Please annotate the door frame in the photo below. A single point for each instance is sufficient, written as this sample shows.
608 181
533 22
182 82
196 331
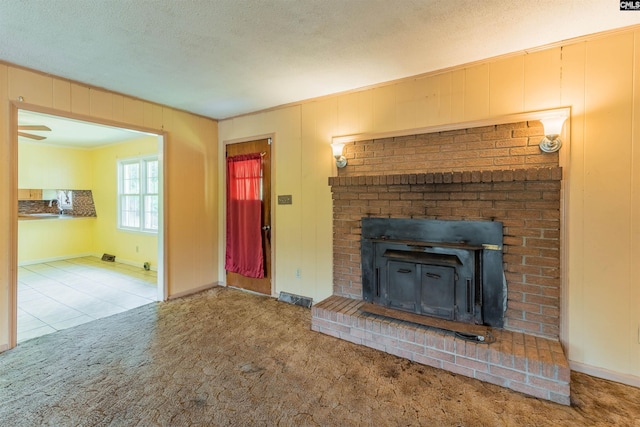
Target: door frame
222 226
163 263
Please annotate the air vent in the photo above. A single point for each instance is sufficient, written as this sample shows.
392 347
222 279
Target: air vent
295 299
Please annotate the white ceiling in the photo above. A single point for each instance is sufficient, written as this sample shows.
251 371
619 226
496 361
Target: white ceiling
72 133
221 58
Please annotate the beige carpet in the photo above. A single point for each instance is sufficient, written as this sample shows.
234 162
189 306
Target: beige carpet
227 358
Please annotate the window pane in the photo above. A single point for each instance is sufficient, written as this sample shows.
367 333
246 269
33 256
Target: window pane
152 177
138 194
151 212
131 178
130 211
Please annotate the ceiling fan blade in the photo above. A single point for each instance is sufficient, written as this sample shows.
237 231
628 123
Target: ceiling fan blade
28 135
33 127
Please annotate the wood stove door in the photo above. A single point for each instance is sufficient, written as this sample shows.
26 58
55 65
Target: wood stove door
438 291
403 285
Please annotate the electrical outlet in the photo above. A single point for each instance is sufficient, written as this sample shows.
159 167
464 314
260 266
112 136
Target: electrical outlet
298 273
137 249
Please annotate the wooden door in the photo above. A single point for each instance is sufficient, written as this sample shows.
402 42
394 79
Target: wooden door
262 286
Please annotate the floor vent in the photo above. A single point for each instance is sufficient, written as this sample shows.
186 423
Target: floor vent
108 258
295 299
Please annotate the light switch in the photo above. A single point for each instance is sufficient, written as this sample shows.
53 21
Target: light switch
285 199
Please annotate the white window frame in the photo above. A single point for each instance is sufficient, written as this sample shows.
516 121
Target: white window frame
138 198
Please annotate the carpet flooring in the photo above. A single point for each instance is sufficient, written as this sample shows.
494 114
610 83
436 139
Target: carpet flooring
228 358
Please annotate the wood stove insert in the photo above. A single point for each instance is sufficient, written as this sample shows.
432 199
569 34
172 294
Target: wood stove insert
450 270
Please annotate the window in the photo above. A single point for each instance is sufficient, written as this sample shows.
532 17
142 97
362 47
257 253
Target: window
138 194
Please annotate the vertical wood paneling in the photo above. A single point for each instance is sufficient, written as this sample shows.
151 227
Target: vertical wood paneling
80 99
101 104
476 92
293 169
633 303
542 71
6 195
185 159
256 124
133 111
365 111
384 108
318 257
458 95
207 249
506 85
445 97
117 107
348 122
406 105
428 102
607 189
317 119
573 81
34 87
152 115
61 95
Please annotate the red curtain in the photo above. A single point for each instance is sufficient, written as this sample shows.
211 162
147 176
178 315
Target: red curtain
244 253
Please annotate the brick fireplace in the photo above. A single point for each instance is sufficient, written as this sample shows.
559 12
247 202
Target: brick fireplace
491 173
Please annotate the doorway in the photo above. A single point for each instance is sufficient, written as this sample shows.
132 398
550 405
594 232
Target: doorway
262 285
53 137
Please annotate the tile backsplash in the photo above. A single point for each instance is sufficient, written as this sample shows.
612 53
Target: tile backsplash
82 205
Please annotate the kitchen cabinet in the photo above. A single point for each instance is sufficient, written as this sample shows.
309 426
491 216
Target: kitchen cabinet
49 195
33 194
29 194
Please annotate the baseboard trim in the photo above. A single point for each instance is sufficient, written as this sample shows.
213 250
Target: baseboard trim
58 258
606 374
3 348
129 262
193 291
65 257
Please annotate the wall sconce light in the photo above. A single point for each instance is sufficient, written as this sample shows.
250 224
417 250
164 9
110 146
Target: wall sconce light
552 125
337 147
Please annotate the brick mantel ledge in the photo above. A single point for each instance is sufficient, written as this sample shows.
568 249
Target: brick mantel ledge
510 175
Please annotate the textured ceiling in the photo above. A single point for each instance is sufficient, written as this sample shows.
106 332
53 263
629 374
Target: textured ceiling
221 58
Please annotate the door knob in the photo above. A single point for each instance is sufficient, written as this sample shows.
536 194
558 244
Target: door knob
266 227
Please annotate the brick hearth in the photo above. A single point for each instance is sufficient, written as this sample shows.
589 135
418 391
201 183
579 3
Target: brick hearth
525 363
516 185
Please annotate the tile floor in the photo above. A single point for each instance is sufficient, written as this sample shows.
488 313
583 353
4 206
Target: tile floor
61 294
